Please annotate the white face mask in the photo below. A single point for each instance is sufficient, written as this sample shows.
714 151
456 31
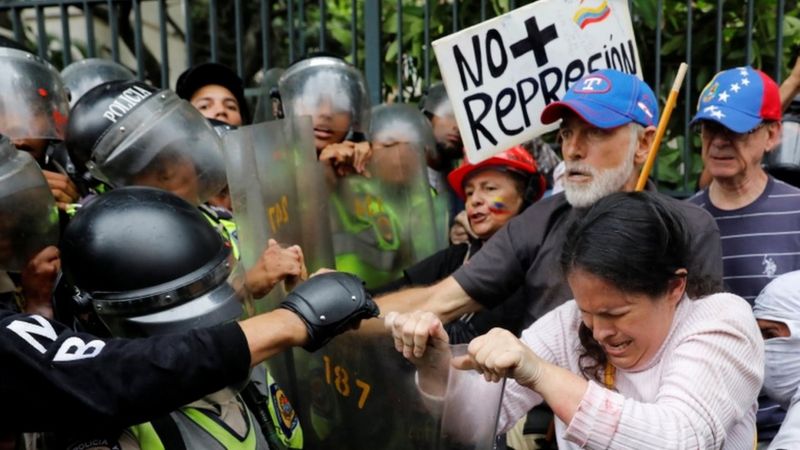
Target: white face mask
782 371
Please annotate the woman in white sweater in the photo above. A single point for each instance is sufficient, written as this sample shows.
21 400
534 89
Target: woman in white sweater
632 362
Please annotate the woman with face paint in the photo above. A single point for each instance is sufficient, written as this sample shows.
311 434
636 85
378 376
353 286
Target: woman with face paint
494 190
777 311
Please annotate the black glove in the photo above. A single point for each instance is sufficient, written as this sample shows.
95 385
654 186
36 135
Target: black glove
330 304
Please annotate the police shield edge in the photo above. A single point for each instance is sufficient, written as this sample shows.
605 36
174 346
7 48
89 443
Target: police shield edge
504 71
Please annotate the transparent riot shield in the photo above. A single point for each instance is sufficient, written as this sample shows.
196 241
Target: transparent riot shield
385 222
34 102
362 394
278 192
28 215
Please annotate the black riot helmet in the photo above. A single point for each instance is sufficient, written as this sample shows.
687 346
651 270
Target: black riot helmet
783 162
127 133
145 262
81 76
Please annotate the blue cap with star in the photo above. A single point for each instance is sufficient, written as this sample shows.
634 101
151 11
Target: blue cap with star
739 99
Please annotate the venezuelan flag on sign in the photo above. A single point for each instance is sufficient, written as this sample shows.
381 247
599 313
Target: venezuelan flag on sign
586 16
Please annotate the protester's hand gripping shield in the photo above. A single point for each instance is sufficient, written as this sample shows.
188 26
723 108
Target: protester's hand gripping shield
81 76
331 91
33 104
28 215
163 142
365 395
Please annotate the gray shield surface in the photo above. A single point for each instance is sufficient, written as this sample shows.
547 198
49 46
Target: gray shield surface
33 103
28 215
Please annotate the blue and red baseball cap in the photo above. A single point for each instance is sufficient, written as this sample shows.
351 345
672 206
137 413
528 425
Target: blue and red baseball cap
606 99
739 99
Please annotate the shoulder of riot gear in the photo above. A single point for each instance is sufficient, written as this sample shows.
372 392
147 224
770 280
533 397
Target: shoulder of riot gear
329 304
137 255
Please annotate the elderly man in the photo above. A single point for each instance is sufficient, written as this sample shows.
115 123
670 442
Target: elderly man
608 125
739 115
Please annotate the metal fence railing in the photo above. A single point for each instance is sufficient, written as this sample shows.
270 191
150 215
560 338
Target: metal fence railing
390 42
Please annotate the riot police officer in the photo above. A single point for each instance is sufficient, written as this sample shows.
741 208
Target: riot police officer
142 262
334 94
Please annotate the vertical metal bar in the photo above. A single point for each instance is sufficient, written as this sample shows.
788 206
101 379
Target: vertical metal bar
290 23
162 31
687 95
66 42
212 28
718 64
322 21
659 19
399 51
354 32
90 42
483 10
426 49
19 34
237 11
749 52
302 30
41 34
455 16
112 23
657 77
511 4
189 30
265 25
137 39
373 49
779 41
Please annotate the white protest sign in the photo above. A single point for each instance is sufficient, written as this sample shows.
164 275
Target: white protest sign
500 74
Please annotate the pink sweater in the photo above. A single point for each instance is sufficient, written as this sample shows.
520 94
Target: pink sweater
698 392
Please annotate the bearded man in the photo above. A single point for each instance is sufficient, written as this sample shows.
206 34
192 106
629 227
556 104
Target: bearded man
608 121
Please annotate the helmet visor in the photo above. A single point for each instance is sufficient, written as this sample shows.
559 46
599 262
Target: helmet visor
34 103
164 143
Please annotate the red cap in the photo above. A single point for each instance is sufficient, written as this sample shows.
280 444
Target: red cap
515 159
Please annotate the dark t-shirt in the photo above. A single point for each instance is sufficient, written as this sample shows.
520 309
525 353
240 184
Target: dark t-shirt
59 380
527 250
759 241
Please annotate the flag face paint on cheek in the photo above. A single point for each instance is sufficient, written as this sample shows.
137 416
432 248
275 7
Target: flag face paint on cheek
499 206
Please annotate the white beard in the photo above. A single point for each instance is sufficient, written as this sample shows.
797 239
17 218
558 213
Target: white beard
604 182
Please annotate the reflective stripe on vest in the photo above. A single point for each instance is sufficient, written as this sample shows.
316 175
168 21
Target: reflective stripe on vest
199 430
